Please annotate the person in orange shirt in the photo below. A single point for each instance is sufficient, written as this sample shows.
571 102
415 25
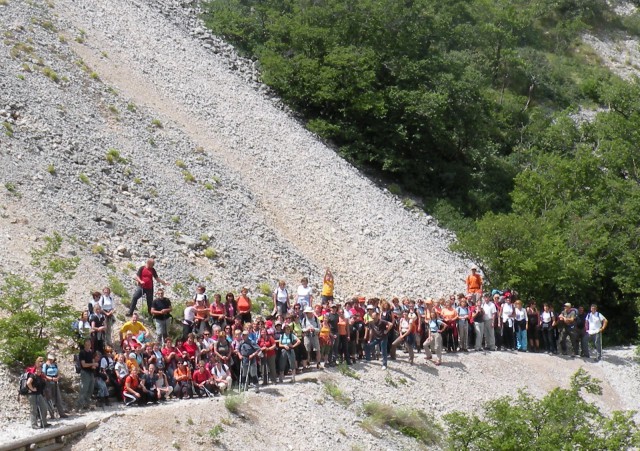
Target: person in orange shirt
474 284
182 376
244 306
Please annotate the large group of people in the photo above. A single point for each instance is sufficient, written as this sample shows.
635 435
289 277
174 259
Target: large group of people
224 345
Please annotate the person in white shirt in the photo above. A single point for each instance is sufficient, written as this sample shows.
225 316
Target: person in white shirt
304 294
506 319
595 323
108 305
281 299
490 311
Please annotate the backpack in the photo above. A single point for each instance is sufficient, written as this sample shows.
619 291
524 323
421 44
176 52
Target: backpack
22 387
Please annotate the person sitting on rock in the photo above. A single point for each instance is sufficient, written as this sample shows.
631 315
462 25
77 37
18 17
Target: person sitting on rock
182 378
135 327
132 392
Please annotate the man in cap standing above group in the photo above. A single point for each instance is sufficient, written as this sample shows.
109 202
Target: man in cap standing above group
474 284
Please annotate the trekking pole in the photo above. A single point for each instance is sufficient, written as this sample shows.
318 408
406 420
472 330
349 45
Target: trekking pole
246 379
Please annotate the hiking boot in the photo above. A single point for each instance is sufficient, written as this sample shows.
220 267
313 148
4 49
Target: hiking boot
257 388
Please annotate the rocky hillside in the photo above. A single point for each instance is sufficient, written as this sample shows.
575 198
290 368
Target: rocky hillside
134 133
131 130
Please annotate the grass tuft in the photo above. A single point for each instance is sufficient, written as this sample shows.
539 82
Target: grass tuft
332 389
234 404
84 178
118 288
410 422
346 370
210 253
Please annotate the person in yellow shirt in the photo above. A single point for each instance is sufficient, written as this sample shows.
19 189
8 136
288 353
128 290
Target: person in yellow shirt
135 326
327 287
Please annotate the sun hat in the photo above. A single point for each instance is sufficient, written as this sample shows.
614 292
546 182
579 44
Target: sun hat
308 310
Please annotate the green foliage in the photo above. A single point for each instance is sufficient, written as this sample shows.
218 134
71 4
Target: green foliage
332 389
32 312
347 371
84 178
51 169
98 249
181 164
188 176
113 156
215 433
8 129
410 422
265 289
432 94
562 419
573 232
156 123
131 107
234 404
11 187
50 74
118 288
210 253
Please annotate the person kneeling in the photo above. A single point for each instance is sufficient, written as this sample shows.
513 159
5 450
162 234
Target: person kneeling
132 393
203 383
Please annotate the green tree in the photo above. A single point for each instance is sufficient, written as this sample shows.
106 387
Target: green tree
561 420
33 309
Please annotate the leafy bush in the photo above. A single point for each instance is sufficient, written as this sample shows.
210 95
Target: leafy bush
562 419
34 312
210 253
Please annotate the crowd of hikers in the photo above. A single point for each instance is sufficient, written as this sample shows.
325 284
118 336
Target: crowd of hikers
223 345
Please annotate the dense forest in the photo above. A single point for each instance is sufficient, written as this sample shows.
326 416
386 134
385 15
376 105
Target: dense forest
472 105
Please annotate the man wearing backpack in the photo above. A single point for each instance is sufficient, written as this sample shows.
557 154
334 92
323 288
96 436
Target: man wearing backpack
144 277
595 324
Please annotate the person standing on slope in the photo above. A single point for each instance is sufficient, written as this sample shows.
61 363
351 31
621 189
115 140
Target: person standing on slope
474 284
144 277
327 287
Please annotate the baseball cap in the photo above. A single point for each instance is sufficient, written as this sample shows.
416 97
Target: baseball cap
308 310
369 307
51 356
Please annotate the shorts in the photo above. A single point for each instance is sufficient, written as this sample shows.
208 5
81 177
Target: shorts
312 343
326 299
325 349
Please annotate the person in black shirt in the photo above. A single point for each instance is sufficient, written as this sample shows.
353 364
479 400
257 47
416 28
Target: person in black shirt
376 334
333 319
87 380
98 328
36 385
161 312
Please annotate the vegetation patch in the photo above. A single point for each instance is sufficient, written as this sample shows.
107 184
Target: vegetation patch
332 389
532 423
410 422
346 370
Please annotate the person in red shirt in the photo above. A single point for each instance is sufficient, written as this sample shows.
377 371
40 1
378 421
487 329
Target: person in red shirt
144 277
190 349
203 382
267 344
